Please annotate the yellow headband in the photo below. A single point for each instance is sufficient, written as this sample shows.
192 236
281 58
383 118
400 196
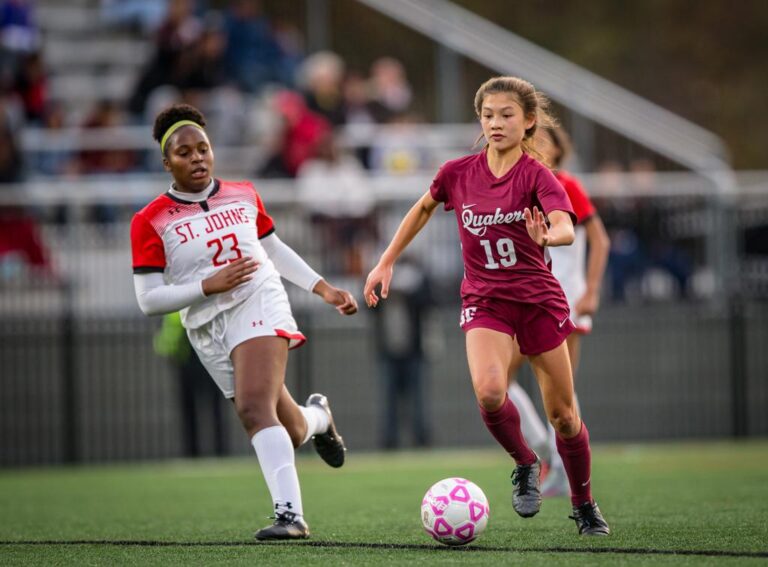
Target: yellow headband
175 126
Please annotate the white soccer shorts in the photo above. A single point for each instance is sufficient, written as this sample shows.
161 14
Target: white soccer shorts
266 313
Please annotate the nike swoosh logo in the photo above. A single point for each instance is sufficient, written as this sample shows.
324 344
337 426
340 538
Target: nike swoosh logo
586 483
561 325
463 206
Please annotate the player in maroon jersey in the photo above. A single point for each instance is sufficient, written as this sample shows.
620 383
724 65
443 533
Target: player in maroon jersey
208 247
510 209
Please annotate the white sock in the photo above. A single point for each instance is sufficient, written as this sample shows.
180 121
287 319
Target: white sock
275 452
317 421
534 430
555 462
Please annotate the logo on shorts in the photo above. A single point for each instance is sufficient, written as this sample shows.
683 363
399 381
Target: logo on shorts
259 323
467 314
563 322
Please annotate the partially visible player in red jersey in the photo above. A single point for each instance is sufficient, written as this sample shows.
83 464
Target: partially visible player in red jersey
580 273
510 211
208 247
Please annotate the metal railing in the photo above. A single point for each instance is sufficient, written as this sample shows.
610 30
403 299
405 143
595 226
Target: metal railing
573 86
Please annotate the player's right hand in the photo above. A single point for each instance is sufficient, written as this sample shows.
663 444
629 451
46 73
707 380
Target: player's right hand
380 275
232 275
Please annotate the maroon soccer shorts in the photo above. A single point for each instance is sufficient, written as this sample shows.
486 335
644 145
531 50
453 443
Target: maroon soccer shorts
538 327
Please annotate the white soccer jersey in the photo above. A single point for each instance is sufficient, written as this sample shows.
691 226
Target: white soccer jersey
188 241
569 266
569 263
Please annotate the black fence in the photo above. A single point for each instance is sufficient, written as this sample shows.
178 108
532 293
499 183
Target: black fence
81 382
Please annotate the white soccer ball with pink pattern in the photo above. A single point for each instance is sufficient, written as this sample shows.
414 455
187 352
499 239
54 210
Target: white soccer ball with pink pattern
454 511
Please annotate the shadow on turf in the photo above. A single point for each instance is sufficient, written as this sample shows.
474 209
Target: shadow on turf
405 546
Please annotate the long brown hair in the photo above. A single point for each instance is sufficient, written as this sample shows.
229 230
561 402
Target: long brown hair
532 102
561 142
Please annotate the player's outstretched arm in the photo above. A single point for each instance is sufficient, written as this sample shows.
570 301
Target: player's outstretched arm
558 233
343 300
413 222
289 264
597 259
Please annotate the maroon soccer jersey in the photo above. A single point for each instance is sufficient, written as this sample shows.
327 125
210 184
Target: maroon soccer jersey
500 258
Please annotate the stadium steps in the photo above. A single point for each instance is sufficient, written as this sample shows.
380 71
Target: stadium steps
87 60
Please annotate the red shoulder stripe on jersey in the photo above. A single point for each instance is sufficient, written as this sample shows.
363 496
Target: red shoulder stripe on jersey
270 231
582 205
146 245
264 223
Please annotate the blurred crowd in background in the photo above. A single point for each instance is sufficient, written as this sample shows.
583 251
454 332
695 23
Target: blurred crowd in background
260 89
250 75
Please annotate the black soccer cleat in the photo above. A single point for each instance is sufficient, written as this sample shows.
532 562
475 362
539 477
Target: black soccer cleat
329 445
589 520
286 526
526 489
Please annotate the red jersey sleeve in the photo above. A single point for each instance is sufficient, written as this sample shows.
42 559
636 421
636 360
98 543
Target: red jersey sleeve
264 223
146 247
582 205
551 194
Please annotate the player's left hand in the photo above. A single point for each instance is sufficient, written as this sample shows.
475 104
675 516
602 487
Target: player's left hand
343 300
587 304
536 224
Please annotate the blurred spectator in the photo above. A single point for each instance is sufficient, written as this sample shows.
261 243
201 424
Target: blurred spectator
18 36
641 250
20 239
177 34
399 324
59 162
144 15
32 86
11 168
18 31
397 150
359 106
361 114
390 85
199 398
297 137
334 189
321 77
254 57
290 40
106 114
202 66
204 83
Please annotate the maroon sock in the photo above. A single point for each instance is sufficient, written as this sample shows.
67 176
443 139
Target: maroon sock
577 459
504 425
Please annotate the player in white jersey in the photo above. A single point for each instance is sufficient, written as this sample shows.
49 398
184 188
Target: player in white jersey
579 268
208 247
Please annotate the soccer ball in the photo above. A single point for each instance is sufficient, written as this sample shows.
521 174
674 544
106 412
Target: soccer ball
454 511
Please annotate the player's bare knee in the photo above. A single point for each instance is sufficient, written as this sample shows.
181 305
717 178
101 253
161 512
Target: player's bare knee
565 423
253 416
489 398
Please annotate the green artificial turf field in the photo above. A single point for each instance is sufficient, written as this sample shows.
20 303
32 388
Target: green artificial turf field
667 504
